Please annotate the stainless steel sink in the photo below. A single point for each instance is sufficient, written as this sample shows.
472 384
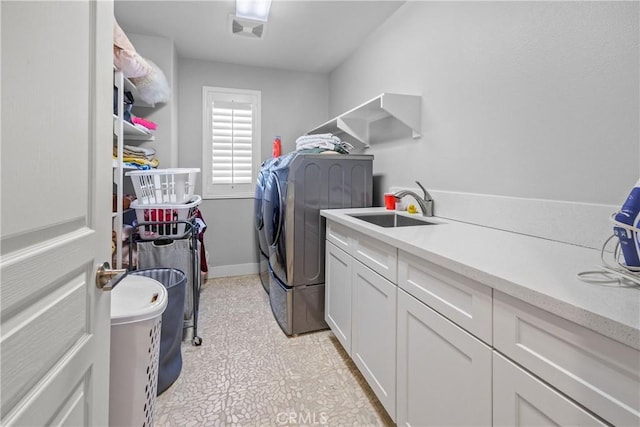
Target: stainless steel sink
391 219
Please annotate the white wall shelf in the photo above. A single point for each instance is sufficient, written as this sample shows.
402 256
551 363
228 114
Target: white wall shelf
130 132
122 131
358 125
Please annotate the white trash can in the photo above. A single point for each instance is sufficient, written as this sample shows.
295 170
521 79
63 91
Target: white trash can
137 304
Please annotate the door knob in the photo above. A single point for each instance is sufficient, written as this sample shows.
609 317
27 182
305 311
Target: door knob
107 278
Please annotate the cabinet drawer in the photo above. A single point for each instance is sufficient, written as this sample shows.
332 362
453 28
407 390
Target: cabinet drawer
461 300
520 399
339 236
599 373
378 256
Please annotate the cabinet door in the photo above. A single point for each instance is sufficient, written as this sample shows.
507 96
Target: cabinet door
337 301
520 399
444 373
374 333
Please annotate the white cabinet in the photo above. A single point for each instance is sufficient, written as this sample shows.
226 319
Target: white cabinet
520 399
337 300
443 372
468 354
360 306
595 371
460 299
378 256
373 347
340 236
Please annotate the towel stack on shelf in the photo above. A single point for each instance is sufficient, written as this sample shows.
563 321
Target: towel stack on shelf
323 142
137 157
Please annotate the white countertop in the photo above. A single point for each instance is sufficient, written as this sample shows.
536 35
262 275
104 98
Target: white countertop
539 271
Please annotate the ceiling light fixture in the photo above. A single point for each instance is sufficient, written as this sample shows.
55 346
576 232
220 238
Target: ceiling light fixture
253 9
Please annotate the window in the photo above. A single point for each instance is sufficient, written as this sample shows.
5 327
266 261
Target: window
231 142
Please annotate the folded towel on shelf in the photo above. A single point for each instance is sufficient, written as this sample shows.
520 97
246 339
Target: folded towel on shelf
148 124
131 165
137 158
153 163
136 152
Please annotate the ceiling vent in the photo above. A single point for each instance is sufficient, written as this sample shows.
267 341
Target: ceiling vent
246 27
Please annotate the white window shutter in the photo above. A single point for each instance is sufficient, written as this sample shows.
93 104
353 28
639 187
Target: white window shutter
231 152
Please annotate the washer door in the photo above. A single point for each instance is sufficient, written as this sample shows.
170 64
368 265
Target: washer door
273 209
257 202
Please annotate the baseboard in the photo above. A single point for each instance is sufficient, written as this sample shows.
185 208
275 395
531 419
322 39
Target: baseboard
233 270
581 224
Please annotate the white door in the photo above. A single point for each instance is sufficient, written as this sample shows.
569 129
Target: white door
55 226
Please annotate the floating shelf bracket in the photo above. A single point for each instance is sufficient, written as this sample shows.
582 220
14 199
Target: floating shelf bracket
355 125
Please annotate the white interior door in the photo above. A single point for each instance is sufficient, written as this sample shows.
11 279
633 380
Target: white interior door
55 226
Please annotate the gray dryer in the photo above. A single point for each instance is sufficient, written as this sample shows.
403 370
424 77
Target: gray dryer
296 190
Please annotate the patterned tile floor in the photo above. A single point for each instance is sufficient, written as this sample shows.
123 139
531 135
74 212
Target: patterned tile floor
247 372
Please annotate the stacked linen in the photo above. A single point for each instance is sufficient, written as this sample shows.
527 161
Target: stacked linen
146 126
137 157
322 141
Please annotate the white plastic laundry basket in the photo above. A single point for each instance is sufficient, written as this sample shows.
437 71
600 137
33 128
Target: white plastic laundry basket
137 304
164 217
156 186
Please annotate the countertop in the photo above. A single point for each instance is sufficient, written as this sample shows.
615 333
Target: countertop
540 272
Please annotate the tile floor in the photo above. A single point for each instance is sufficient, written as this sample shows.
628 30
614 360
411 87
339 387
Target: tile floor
249 373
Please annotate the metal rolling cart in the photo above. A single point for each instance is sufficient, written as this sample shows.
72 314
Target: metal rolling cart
166 233
172 244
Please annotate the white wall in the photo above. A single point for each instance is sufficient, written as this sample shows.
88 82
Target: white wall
292 103
520 99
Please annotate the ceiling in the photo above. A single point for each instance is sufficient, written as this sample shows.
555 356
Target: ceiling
301 35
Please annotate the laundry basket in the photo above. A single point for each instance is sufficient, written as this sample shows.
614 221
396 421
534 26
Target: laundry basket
157 186
170 361
137 304
164 220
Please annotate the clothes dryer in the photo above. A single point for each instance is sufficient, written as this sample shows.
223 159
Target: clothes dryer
296 190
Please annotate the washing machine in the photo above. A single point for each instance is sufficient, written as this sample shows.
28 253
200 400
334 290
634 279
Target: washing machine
262 248
296 190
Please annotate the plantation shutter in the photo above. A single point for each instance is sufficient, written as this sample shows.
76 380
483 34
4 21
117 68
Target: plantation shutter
232 143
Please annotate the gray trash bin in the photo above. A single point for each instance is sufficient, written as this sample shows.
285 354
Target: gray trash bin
170 362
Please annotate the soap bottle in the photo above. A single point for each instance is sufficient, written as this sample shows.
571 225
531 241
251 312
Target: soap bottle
277 146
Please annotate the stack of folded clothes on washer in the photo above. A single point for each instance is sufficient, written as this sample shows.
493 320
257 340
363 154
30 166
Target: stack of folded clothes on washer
322 142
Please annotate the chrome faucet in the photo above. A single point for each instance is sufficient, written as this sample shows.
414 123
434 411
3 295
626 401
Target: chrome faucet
425 203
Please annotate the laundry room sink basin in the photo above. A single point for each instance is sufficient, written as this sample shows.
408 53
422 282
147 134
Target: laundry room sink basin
391 219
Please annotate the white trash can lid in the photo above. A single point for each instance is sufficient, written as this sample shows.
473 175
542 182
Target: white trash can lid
137 298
